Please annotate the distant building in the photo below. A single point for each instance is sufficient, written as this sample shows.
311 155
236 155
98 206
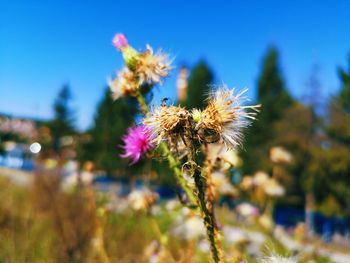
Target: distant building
18 141
23 127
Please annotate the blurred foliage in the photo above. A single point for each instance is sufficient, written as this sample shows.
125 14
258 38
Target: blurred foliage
344 95
9 136
47 224
72 215
199 82
329 166
63 122
329 170
24 235
339 122
275 99
296 131
320 145
103 140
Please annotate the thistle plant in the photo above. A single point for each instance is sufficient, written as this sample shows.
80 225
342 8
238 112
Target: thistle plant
141 72
183 135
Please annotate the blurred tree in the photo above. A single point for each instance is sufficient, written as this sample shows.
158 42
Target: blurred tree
313 96
2 150
64 117
339 123
275 99
339 110
199 85
328 179
272 90
344 95
297 132
111 121
329 167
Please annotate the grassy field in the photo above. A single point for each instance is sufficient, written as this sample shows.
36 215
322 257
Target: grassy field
42 223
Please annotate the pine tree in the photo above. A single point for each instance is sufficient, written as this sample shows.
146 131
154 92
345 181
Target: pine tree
64 117
274 97
339 111
272 91
111 121
300 131
199 85
344 94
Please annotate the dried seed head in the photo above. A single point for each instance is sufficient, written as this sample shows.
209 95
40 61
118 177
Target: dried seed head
167 122
147 68
124 84
152 67
226 117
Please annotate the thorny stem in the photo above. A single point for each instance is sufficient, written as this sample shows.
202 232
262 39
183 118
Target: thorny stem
207 213
208 217
211 199
210 186
174 165
173 162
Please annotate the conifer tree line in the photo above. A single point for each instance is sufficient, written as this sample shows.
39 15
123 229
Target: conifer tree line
320 143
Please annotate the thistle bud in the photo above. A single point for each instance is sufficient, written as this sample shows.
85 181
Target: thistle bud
130 55
120 41
196 115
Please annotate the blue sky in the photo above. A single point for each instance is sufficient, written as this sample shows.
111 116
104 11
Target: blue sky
44 44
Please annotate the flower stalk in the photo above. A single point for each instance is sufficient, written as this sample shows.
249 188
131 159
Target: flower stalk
174 165
210 184
142 103
208 216
207 208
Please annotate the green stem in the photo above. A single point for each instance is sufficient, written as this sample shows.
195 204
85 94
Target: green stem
174 165
142 103
208 217
205 207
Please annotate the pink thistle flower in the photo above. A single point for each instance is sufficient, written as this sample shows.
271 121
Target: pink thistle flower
137 142
120 41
